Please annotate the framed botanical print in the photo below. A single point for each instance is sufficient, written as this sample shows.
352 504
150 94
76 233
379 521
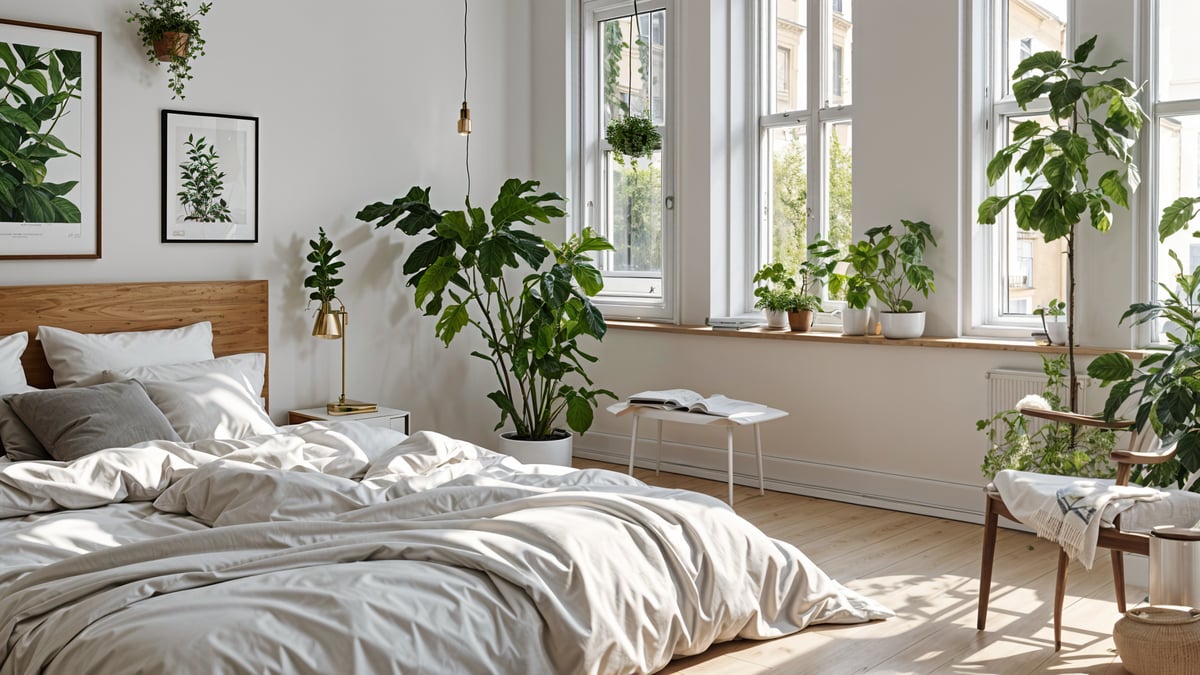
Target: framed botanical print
49 142
210 177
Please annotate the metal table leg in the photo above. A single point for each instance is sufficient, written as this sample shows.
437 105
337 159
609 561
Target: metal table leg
758 448
633 443
729 436
658 464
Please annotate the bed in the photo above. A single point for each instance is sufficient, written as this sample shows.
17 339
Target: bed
341 547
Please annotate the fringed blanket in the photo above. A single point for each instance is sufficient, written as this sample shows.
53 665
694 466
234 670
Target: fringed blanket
1068 510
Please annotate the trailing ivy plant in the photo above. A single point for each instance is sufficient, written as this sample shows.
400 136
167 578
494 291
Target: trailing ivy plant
203 182
1078 166
1052 448
158 17
37 88
532 327
324 279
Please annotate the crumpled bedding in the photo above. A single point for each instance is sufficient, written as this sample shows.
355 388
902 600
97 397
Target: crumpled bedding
347 548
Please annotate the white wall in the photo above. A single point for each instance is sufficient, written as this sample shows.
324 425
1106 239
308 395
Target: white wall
357 101
886 425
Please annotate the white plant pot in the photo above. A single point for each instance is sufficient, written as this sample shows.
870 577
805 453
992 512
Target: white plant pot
552 451
902 325
1057 331
777 320
854 321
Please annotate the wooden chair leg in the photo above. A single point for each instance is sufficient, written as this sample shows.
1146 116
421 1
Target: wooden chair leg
1118 564
1060 593
990 520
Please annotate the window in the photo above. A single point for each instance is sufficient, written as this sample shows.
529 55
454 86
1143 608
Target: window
1016 271
1175 111
805 137
627 65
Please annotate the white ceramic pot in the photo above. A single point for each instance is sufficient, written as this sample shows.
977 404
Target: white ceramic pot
1057 330
776 320
553 451
902 325
854 321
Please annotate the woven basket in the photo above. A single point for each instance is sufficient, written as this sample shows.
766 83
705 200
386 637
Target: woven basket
1159 641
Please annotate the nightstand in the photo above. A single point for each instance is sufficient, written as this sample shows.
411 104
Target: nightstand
384 417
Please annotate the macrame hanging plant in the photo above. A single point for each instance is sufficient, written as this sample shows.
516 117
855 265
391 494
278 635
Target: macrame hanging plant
633 136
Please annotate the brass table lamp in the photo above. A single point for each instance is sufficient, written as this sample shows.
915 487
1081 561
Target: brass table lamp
331 325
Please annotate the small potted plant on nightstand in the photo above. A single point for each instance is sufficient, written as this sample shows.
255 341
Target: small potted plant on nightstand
170 32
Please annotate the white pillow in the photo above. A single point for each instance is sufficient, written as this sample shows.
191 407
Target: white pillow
252 368
214 405
12 375
80 359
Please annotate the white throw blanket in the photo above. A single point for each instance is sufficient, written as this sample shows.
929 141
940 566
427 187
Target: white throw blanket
1068 510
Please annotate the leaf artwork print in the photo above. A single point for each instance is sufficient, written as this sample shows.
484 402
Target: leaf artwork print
38 88
203 183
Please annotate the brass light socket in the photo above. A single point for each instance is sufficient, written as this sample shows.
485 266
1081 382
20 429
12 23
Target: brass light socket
464 120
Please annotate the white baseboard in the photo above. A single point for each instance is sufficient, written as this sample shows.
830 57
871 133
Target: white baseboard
898 492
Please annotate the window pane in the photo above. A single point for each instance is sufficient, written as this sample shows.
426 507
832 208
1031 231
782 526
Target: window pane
1178 145
634 80
1034 271
839 57
789 43
1178 50
839 188
634 227
1033 26
787 150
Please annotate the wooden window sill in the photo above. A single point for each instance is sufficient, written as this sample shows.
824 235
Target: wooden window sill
762 333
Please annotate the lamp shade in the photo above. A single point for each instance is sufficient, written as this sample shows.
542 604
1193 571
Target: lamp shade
329 323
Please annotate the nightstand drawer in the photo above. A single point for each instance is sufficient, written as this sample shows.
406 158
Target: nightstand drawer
384 417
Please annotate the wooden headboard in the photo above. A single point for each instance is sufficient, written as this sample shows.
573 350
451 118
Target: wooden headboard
237 310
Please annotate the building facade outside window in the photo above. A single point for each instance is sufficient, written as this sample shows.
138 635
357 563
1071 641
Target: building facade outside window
627 66
805 131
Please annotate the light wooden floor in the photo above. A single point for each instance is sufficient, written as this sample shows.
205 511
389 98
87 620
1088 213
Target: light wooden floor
927 571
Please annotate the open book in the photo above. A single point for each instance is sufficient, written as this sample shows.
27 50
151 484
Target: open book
686 399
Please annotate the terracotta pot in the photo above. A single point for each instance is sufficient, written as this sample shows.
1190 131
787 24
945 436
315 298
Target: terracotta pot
171 45
801 321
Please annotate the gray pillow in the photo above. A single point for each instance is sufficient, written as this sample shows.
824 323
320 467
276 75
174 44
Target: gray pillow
71 423
19 442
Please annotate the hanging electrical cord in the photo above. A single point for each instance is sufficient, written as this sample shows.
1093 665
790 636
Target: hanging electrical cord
464 115
635 36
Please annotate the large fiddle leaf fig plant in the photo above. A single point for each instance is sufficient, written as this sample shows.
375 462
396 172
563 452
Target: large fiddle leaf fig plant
1073 163
533 326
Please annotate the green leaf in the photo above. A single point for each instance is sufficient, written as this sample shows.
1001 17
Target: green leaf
67 211
1026 129
36 80
427 253
999 164
454 318
1177 216
1111 367
1029 89
589 279
579 414
510 209
1064 94
19 118
1113 188
435 278
530 247
72 63
988 210
1084 50
454 226
9 58
28 54
1059 174
1047 61
494 254
35 205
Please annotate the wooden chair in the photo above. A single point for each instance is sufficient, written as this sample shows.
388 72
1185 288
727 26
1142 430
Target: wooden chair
1112 538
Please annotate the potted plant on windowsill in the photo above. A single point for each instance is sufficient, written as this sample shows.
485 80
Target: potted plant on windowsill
534 327
856 315
170 32
775 294
817 267
894 267
1056 327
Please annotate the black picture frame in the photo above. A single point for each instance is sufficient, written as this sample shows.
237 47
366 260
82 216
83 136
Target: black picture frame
209 178
50 203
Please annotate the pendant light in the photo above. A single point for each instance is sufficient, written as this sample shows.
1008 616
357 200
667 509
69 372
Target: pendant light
464 115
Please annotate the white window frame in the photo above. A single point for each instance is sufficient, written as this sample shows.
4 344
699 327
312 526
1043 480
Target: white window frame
592 177
815 119
991 110
1152 206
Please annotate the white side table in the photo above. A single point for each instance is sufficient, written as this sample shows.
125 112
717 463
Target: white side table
683 417
384 417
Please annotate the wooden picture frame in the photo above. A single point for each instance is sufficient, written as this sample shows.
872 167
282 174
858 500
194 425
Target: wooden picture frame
209 178
50 113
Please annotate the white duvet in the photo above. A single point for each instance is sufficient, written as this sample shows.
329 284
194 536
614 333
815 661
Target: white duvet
350 549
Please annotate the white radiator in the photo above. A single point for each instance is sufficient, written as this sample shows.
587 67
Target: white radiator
1007 387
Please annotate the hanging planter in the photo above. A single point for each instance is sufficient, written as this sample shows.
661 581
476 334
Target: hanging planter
633 136
170 32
